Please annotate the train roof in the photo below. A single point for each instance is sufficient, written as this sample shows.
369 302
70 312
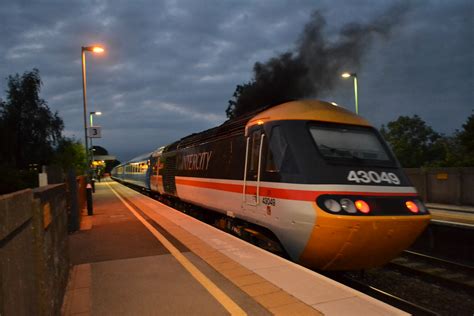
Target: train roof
157 152
139 158
308 110
294 110
229 128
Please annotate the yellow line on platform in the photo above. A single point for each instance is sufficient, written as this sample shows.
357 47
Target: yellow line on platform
216 292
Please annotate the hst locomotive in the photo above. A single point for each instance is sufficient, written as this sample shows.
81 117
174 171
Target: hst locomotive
319 177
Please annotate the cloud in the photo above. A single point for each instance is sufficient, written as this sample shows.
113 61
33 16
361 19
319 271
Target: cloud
171 66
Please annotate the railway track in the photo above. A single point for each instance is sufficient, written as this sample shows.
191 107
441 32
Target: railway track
418 284
391 299
448 273
451 240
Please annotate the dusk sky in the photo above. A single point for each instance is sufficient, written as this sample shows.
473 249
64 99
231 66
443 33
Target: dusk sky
170 67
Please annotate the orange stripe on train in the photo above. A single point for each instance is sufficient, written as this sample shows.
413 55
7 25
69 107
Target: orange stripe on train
288 194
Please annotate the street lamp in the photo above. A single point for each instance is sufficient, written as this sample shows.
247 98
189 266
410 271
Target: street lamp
354 75
91 114
84 49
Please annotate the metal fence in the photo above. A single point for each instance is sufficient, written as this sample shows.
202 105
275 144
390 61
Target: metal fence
444 185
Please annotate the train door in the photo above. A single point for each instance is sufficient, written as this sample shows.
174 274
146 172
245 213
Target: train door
253 169
156 178
154 173
169 173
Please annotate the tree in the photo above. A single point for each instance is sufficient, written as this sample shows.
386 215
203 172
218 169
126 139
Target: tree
70 153
414 142
465 141
30 131
458 149
466 136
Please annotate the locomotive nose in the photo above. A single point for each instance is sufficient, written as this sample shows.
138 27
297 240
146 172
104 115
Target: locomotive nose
354 242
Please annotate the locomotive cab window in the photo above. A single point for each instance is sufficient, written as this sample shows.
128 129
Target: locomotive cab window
255 149
337 142
279 157
276 151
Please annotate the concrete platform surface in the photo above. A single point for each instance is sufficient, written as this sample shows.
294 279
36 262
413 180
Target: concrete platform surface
450 207
452 213
137 256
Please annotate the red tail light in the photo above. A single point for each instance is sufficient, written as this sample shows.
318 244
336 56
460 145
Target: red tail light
362 206
412 206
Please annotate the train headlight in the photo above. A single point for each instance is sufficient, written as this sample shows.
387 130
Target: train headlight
332 205
348 206
421 207
362 206
412 206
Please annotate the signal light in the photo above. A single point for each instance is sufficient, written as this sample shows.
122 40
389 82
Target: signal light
362 206
412 206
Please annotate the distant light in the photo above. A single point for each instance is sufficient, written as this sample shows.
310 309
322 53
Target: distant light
98 113
97 49
346 75
94 49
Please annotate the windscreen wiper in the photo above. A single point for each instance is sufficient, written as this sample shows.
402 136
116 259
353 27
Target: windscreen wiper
342 153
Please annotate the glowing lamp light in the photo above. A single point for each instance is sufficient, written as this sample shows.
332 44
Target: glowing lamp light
97 49
362 206
412 206
260 122
98 113
346 75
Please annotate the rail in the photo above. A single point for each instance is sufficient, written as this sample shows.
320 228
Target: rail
400 303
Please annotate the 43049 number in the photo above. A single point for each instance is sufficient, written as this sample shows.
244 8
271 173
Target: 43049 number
362 176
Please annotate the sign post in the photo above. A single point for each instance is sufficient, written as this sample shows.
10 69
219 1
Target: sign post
94 132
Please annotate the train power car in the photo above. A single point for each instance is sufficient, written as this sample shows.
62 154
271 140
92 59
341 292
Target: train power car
317 176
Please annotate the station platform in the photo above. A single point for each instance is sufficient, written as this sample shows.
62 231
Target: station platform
452 213
136 256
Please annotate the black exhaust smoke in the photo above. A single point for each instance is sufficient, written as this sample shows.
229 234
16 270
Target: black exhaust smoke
314 66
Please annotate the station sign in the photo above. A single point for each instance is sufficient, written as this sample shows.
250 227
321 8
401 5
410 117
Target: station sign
94 132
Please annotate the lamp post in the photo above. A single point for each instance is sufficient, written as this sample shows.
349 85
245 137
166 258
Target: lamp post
353 75
91 114
84 49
